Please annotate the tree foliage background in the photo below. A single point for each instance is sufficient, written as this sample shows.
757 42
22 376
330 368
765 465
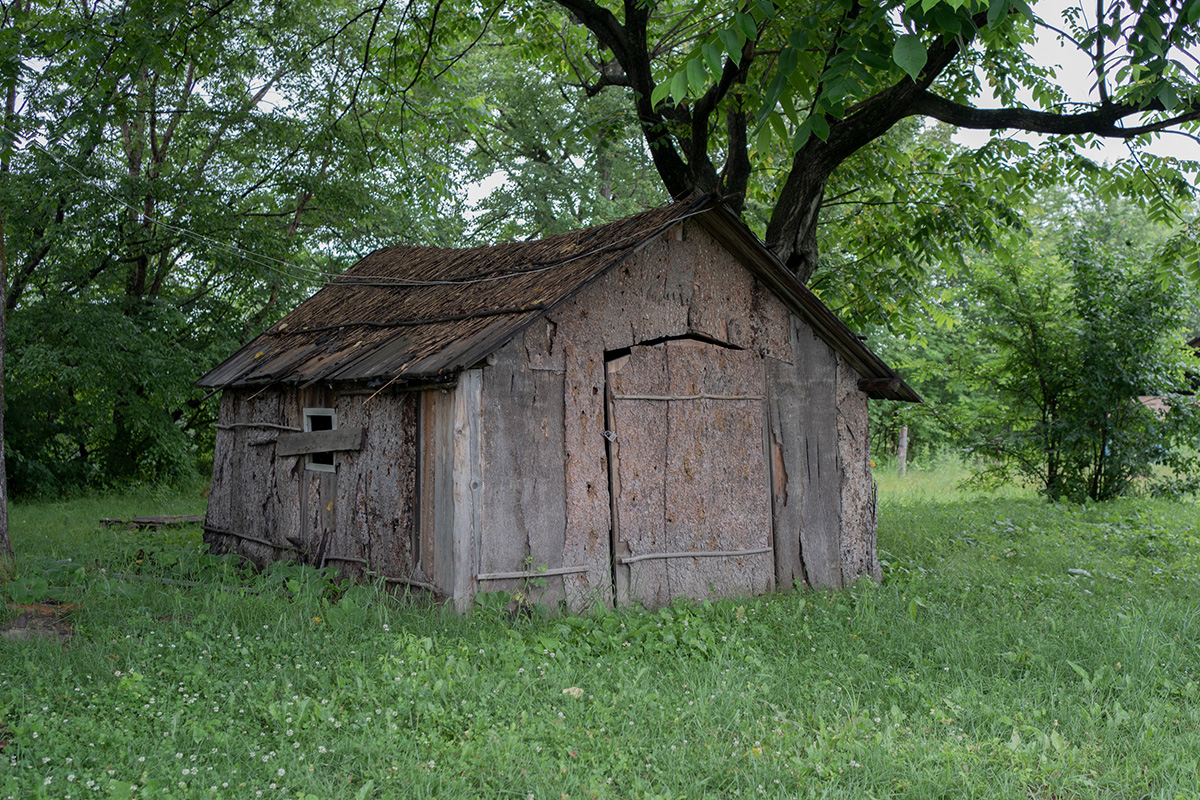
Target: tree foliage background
1063 362
174 174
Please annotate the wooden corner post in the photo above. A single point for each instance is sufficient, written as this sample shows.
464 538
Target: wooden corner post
468 485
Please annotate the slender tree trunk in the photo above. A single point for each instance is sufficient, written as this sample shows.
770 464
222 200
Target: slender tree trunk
6 551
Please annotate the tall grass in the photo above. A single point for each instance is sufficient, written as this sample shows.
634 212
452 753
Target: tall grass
1014 649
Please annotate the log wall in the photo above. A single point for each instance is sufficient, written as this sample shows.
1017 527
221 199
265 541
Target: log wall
359 518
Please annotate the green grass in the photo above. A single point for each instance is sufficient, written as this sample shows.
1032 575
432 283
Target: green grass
982 667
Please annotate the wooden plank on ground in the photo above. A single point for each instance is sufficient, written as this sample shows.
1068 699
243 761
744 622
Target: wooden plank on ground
154 521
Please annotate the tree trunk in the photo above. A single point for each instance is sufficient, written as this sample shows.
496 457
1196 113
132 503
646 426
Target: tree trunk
6 551
792 229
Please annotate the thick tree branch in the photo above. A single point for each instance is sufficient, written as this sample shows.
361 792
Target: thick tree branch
628 44
1102 121
791 231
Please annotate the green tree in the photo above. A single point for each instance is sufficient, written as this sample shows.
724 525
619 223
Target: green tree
766 101
1071 343
553 158
173 161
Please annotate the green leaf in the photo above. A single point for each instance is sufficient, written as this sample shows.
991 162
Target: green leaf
1166 93
660 93
697 76
679 86
714 56
997 9
766 8
910 55
747 25
1024 8
787 61
776 122
733 44
764 139
948 22
770 98
802 135
820 126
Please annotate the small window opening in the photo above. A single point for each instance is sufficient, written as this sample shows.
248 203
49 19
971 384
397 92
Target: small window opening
319 419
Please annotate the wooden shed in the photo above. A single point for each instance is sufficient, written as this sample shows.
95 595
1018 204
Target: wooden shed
649 409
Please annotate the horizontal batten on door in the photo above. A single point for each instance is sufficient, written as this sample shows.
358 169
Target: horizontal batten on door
694 554
687 397
503 576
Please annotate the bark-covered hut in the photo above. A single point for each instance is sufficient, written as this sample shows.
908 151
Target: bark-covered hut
644 410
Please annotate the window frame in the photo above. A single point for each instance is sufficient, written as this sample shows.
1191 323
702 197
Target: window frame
320 413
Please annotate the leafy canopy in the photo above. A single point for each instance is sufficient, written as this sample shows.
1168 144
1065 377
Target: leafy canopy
768 100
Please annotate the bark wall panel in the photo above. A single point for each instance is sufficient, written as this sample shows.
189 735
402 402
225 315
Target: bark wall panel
437 490
586 467
689 472
524 486
806 475
858 554
291 473
245 494
785 445
670 289
225 455
466 403
376 492
639 478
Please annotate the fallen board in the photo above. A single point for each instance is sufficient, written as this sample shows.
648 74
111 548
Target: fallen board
155 522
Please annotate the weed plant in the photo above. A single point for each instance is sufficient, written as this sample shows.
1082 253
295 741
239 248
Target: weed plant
1014 649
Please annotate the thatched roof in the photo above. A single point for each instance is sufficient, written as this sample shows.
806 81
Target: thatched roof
418 314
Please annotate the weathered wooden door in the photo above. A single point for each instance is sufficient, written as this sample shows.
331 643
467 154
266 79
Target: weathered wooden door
691 509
